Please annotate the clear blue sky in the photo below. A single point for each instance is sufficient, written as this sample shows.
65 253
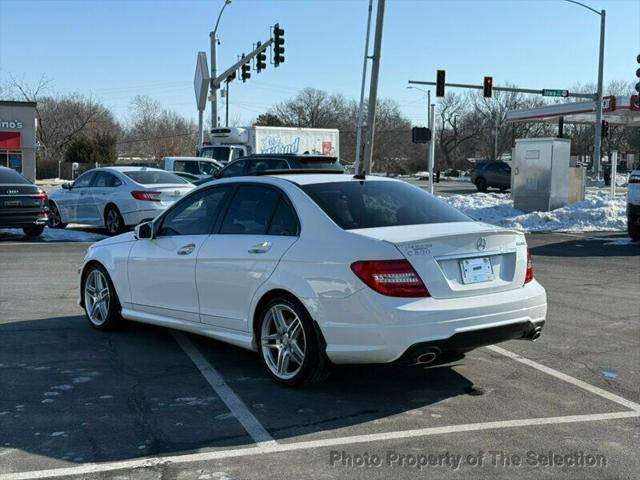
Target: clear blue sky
113 50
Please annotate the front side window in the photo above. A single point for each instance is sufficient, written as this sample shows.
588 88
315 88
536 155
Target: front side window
250 210
186 166
196 214
84 180
372 204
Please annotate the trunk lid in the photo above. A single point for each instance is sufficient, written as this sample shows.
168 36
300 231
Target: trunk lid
459 259
170 193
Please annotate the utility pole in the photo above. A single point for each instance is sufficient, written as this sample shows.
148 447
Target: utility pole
373 90
432 143
226 104
362 86
213 38
495 139
430 127
597 148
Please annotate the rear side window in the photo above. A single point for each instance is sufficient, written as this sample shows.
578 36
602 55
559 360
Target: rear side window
284 221
261 164
250 210
362 204
12 177
153 177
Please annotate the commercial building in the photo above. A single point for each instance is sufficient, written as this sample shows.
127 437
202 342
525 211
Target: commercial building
18 142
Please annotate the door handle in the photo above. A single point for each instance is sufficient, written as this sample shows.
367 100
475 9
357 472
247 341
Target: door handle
263 247
187 249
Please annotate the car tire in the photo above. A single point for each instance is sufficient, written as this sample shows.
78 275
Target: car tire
288 345
55 220
633 227
33 230
99 299
113 221
481 184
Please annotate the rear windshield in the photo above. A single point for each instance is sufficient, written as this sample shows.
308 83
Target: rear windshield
152 177
380 204
327 163
12 177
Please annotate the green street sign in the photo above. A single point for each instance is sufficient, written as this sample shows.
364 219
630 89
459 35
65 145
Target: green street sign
548 92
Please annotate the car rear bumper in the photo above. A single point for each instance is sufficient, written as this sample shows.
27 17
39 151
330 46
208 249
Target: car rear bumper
370 328
145 213
18 219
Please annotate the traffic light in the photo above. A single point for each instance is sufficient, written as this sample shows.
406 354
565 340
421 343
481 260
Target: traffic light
245 73
605 129
278 42
261 59
487 87
231 77
440 74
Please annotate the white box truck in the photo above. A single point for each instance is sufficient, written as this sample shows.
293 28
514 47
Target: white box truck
230 143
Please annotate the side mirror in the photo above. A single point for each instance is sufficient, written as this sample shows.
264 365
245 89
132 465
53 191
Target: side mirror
144 231
66 185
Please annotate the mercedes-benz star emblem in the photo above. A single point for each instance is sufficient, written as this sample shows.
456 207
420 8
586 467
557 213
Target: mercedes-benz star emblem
481 244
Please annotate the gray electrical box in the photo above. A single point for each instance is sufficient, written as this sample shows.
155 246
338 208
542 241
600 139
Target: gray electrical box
540 174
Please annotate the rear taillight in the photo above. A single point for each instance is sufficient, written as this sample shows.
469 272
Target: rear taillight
529 275
41 196
146 196
634 179
394 278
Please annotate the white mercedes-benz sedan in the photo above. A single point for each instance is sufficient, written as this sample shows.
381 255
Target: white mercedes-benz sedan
311 270
115 197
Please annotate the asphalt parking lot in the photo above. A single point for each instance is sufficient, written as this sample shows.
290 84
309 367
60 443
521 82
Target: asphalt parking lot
148 403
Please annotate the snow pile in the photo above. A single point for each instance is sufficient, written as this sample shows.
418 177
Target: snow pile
596 213
53 235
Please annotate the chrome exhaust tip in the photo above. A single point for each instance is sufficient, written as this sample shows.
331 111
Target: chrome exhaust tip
426 358
535 334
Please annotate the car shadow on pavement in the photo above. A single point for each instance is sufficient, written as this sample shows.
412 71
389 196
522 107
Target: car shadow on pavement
74 394
614 245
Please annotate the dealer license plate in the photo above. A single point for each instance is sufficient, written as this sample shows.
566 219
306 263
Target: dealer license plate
476 270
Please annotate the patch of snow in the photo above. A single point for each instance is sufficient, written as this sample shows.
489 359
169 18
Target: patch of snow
56 434
596 213
105 397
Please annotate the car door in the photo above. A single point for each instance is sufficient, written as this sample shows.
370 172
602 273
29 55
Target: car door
102 189
71 201
257 229
162 270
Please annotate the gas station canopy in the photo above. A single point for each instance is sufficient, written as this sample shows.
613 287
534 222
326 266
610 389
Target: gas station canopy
616 110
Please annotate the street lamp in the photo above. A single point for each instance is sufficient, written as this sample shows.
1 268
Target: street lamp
597 148
213 36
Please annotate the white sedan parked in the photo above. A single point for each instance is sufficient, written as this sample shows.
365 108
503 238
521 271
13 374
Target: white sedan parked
310 270
115 197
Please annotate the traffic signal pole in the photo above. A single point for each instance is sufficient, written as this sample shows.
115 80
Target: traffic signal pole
597 147
590 96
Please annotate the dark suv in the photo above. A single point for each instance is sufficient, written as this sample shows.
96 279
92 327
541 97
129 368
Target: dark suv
253 164
22 204
491 173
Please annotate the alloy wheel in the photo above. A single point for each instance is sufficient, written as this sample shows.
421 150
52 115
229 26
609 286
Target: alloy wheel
97 297
54 216
283 342
113 221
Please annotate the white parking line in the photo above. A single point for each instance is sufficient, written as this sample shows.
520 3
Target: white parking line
93 468
236 406
562 376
